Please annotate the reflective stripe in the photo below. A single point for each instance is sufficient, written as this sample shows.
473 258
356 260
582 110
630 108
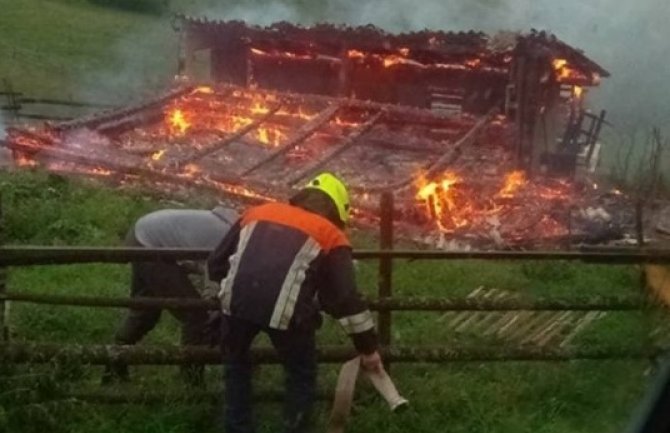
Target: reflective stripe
290 289
226 292
357 323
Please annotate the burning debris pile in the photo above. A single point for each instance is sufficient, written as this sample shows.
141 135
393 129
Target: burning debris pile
453 177
460 175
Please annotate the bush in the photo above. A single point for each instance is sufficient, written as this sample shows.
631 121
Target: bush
144 6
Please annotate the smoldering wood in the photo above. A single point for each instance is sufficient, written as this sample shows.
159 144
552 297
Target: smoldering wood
298 137
341 147
234 136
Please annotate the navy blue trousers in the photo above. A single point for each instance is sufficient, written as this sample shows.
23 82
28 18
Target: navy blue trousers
297 351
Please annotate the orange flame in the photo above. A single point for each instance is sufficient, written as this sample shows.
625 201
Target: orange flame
158 155
473 63
204 90
24 161
452 203
439 198
577 91
270 136
178 122
513 181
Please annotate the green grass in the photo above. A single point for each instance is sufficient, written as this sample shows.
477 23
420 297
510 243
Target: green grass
458 397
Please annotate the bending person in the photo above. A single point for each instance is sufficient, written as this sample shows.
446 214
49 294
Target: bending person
169 228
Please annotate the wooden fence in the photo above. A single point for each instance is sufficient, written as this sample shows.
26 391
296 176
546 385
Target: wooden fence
385 303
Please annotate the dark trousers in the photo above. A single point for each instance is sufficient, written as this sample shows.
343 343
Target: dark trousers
164 279
297 351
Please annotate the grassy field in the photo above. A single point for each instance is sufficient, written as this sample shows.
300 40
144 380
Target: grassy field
460 397
57 48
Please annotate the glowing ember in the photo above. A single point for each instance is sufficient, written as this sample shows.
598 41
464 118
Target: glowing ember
177 122
513 182
24 161
473 63
191 170
559 64
204 90
287 54
270 136
156 156
565 72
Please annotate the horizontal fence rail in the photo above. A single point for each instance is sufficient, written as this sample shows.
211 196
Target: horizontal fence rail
33 255
386 304
189 397
179 355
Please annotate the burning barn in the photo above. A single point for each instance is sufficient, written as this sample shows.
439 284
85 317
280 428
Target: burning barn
479 137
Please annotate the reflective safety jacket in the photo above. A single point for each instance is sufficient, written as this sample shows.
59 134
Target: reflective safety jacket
279 264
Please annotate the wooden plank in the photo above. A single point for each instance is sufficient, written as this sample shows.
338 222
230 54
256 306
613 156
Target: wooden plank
233 137
298 137
346 144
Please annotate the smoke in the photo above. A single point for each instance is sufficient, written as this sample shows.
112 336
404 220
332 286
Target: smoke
629 39
137 66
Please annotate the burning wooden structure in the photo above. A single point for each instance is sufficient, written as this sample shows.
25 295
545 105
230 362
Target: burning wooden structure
447 121
535 79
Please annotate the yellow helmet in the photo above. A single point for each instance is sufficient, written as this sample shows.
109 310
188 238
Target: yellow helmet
335 189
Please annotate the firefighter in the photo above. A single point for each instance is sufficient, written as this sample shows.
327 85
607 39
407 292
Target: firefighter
169 228
277 267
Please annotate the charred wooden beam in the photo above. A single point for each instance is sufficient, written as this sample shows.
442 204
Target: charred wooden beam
394 112
234 136
583 303
97 119
21 353
437 167
301 135
51 152
350 141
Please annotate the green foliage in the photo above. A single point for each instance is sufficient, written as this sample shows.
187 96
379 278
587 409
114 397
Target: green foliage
94 215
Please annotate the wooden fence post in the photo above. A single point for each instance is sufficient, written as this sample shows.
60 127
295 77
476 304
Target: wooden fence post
385 275
4 329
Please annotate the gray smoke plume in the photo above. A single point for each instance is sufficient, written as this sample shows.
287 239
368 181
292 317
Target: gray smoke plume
630 39
139 65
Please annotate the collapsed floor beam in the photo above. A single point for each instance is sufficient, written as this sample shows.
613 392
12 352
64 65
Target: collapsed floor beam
406 114
301 135
21 353
93 121
341 147
233 137
51 152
